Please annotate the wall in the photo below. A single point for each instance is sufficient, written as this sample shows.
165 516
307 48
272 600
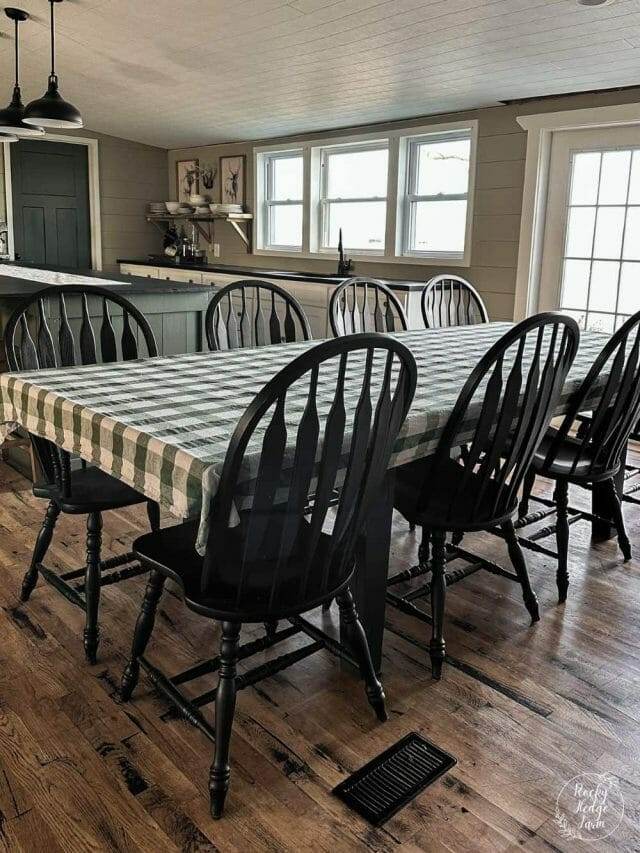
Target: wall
131 175
498 202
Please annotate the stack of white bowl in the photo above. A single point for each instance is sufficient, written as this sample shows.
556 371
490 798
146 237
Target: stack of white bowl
156 208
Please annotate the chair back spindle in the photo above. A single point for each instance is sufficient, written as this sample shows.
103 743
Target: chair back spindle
254 313
365 305
305 461
449 300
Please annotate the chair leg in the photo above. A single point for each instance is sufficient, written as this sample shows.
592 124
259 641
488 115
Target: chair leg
360 646
561 499
40 549
92 585
520 565
153 514
271 628
424 549
527 488
618 519
142 634
225 710
437 648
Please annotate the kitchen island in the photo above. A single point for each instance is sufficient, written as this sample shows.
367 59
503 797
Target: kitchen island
175 310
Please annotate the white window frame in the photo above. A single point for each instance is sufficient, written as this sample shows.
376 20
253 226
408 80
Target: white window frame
323 200
267 203
397 142
409 198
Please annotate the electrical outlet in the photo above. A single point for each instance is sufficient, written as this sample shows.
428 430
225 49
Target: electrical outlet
216 250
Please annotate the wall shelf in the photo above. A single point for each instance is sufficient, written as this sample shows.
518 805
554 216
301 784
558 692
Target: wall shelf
205 225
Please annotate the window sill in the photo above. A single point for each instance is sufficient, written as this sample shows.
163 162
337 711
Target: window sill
414 260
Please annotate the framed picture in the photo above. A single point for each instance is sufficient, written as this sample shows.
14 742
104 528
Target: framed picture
187 178
232 179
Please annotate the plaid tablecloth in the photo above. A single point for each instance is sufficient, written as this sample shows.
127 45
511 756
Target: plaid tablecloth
163 425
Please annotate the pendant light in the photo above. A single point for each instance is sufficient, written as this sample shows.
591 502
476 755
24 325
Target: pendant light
11 117
51 110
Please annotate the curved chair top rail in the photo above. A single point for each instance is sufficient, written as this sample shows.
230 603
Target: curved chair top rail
253 312
450 300
365 305
611 391
61 340
55 328
324 425
513 392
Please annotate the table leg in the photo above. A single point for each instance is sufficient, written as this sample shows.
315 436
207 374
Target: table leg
369 584
602 530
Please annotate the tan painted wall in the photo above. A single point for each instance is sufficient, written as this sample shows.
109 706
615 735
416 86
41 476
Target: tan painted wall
498 202
131 175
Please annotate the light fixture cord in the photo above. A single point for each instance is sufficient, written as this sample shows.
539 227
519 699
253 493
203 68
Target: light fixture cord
53 41
17 61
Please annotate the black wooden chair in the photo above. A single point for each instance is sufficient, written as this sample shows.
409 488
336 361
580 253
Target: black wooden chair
592 452
511 395
365 305
253 313
59 340
449 300
331 416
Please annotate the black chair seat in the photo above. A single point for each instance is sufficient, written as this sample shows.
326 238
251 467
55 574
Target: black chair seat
172 551
92 491
452 505
563 464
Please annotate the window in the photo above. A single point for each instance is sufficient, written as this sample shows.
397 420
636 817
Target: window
353 197
435 206
601 258
398 196
283 200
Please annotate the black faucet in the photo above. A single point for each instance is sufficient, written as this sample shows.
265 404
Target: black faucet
345 265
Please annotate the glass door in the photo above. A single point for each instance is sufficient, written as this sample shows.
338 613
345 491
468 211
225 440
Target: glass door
591 258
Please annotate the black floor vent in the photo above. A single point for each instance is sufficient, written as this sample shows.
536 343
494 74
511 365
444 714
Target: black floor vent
387 783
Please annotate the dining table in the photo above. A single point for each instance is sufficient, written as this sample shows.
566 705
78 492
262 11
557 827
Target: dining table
163 425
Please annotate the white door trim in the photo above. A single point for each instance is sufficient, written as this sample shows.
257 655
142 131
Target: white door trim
540 129
95 222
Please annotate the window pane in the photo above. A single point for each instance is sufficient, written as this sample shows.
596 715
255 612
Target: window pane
285 225
609 226
357 174
615 177
363 224
443 167
575 284
634 183
580 232
584 178
629 299
632 235
438 226
604 286
286 177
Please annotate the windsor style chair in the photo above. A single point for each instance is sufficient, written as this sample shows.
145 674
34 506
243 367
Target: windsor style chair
365 305
449 300
61 340
331 417
254 313
591 453
513 390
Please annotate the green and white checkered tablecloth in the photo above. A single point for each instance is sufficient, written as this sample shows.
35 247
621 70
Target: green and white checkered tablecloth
163 425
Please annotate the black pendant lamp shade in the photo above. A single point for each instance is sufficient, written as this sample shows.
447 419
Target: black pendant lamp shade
51 110
11 117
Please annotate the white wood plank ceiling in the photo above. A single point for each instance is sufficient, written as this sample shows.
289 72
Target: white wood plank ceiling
175 74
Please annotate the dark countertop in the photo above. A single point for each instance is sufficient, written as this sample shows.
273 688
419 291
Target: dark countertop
321 278
22 283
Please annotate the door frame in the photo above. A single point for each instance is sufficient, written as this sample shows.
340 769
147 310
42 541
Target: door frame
540 129
95 223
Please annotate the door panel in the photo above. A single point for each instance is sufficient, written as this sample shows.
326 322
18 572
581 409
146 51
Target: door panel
51 203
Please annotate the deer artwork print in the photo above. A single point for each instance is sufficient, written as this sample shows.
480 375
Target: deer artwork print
232 180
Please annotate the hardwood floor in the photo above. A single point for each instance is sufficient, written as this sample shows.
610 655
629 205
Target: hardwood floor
523 709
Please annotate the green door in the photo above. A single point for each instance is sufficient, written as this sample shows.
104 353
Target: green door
50 184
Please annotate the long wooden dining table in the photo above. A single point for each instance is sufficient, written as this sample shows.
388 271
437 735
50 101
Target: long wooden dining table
163 425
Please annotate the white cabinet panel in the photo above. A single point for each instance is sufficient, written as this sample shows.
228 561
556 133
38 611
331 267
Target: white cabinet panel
139 269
